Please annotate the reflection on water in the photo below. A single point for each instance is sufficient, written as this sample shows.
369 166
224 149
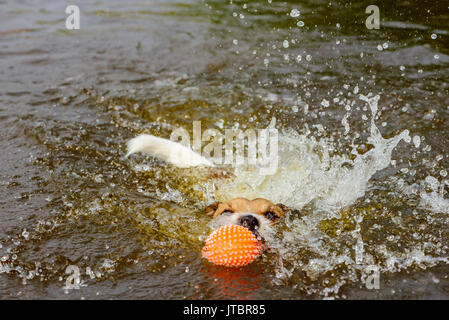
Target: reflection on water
362 116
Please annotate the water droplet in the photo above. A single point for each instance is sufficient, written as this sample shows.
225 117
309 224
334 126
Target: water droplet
65 100
294 13
25 234
300 24
285 44
433 36
416 141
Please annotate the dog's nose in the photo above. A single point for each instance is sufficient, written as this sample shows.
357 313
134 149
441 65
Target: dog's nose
249 222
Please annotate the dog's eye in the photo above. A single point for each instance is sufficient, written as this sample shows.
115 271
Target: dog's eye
270 215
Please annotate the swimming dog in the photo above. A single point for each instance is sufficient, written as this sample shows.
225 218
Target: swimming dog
256 215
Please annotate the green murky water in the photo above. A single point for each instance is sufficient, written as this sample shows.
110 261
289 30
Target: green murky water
69 101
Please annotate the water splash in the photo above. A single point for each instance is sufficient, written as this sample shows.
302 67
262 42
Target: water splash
307 171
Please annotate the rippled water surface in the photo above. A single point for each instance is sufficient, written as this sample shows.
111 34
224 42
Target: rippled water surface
363 119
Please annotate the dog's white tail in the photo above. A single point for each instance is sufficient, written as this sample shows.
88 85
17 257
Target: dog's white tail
167 150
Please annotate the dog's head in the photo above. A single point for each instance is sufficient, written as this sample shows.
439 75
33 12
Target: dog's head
256 215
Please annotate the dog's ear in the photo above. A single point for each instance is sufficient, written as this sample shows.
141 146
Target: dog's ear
217 208
283 207
210 210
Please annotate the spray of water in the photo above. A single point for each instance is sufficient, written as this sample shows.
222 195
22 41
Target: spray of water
308 173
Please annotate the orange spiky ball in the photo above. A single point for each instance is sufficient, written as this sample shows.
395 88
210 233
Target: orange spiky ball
231 246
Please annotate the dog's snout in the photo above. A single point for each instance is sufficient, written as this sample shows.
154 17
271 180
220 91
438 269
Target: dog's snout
249 222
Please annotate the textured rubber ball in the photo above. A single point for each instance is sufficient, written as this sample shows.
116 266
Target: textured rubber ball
231 246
